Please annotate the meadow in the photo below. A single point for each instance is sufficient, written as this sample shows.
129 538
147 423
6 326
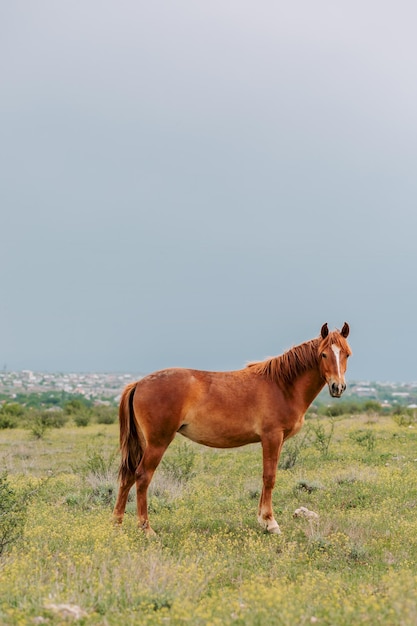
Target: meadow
211 564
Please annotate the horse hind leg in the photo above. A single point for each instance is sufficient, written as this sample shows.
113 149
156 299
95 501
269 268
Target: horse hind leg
143 476
130 460
130 448
126 483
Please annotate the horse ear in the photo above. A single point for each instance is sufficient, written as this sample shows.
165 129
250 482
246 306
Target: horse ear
324 330
345 330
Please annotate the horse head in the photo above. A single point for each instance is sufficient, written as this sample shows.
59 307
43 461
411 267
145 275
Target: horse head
334 351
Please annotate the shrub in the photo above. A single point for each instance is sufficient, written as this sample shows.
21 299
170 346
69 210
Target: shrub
12 514
321 439
80 410
338 408
350 407
365 438
54 418
179 462
38 428
7 420
99 477
292 450
308 485
105 414
76 405
41 420
82 419
11 414
404 416
97 464
372 406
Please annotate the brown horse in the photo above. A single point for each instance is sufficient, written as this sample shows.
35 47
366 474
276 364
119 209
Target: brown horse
264 402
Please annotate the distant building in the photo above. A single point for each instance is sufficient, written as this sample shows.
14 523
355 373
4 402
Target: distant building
365 392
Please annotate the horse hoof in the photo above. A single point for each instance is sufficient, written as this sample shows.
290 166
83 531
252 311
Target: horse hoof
269 525
274 530
149 532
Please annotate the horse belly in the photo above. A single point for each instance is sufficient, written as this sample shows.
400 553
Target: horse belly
219 432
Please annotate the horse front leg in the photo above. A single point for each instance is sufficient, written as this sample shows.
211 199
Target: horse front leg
271 448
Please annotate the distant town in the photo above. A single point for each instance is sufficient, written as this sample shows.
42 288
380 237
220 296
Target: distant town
101 387
107 387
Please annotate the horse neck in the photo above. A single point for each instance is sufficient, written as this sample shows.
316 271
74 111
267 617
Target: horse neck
296 372
300 371
306 387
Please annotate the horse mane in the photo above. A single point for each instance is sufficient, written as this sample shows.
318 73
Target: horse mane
288 366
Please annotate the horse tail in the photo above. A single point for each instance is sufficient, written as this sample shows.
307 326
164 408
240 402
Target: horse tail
130 444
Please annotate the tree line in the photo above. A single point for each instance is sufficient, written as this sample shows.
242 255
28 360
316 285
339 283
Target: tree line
38 412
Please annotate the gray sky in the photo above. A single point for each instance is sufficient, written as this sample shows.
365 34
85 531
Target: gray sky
205 183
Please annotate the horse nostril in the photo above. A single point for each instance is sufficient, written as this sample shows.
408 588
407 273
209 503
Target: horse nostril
337 388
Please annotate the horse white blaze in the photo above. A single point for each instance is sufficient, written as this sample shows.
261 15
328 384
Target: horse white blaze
336 351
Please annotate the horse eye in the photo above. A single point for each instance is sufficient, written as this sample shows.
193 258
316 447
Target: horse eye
324 355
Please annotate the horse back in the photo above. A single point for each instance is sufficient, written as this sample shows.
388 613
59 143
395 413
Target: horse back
219 409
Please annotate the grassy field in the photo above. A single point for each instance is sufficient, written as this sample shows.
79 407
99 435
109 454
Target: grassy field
211 563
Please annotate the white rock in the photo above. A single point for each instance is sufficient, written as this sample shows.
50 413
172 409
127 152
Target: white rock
304 512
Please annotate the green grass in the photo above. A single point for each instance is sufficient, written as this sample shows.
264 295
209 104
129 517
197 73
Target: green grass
211 563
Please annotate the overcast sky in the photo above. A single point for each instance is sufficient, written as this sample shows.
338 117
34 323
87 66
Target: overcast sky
201 184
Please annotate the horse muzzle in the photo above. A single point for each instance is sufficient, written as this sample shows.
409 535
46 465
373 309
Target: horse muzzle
336 388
